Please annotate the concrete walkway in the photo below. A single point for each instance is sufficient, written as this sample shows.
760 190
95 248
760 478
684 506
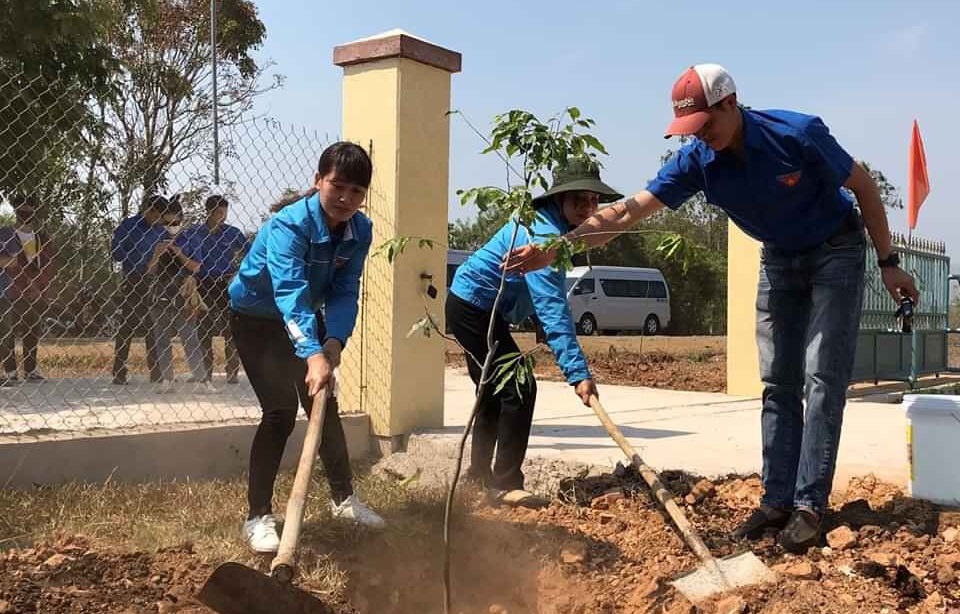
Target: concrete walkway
706 433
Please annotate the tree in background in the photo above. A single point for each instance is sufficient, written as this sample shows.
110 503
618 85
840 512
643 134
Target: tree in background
53 59
161 112
103 100
472 234
889 193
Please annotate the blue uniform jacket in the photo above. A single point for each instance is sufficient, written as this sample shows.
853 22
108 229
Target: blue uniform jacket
295 268
133 243
786 189
217 251
542 292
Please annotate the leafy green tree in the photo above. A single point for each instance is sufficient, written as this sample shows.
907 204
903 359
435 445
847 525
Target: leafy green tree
889 193
53 60
161 112
473 233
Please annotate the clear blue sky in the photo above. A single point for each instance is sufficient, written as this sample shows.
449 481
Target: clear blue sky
867 68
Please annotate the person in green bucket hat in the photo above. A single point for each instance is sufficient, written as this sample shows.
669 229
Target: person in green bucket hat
505 416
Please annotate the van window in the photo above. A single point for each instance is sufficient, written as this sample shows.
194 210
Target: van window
615 287
628 288
637 288
658 289
586 286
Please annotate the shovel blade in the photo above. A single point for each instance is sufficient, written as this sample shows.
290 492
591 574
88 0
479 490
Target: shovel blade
729 573
236 589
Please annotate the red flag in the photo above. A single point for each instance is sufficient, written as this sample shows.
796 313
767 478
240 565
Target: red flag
919 183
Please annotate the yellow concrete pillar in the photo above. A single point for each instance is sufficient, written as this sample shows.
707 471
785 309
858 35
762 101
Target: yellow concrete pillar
396 95
743 269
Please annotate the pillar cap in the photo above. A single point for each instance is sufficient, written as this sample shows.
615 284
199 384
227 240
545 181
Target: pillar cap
396 44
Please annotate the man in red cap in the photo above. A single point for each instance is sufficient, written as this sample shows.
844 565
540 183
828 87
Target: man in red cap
779 176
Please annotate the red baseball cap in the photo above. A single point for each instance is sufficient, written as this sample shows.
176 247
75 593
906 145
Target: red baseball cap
698 88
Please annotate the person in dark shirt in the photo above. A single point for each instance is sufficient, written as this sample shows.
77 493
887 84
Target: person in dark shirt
168 270
219 247
132 246
780 176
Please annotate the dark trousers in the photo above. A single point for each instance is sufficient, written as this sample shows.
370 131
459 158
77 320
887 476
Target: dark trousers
216 321
276 374
134 308
504 419
25 317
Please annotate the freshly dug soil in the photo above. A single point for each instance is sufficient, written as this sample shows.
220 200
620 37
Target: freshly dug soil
703 371
603 546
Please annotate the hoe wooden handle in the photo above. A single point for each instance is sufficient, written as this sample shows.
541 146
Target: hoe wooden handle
663 495
284 564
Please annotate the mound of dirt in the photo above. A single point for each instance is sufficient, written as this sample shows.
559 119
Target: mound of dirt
71 575
882 551
602 546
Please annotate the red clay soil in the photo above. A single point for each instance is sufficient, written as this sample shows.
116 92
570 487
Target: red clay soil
702 371
602 547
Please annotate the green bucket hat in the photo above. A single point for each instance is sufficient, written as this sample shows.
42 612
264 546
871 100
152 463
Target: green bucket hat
579 174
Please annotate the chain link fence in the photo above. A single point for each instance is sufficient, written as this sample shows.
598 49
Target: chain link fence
73 167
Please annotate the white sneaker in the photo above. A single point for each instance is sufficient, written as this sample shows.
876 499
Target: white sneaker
354 509
261 533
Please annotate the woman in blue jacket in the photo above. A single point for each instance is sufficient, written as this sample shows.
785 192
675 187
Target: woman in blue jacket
307 257
504 419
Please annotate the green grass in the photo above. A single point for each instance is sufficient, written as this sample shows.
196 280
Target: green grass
209 514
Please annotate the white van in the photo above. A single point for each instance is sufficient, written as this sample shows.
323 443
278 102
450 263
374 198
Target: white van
611 298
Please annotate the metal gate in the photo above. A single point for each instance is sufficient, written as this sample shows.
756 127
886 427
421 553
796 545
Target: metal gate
883 351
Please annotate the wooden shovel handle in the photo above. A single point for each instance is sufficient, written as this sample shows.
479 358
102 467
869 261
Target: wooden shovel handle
663 495
284 563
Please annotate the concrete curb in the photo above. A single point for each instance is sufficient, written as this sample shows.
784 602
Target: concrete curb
220 451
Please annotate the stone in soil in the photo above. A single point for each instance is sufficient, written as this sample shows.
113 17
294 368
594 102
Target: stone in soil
574 553
883 558
732 605
946 575
842 538
933 603
606 500
803 570
950 535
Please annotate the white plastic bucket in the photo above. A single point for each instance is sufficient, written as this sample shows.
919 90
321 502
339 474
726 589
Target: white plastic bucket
933 446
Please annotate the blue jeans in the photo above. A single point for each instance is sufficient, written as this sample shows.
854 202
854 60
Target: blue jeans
167 320
808 315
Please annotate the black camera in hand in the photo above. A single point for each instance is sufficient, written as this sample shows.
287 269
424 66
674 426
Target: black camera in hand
904 314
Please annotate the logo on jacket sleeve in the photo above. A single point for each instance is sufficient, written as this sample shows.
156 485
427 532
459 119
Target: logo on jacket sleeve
789 179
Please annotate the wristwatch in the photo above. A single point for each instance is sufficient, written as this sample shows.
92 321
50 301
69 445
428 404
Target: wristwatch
892 260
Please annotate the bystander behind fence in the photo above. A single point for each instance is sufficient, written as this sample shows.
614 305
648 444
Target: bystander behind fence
72 169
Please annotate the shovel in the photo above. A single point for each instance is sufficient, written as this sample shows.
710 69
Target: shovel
714 575
236 589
